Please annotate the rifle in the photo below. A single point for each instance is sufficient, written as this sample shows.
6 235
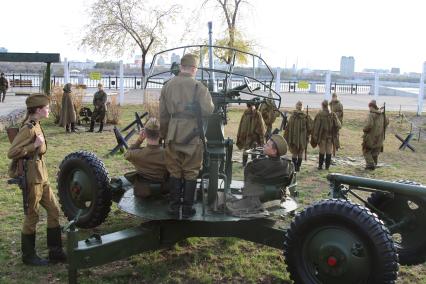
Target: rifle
21 178
384 125
307 121
199 131
282 126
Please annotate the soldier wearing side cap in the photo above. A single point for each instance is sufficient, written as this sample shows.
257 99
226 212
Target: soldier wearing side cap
68 115
272 167
99 112
178 121
30 144
374 135
296 133
149 161
324 132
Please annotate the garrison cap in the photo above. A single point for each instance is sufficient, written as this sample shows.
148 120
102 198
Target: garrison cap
281 144
67 87
334 95
373 103
37 100
189 59
152 124
299 104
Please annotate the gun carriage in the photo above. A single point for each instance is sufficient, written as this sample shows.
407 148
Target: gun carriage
332 241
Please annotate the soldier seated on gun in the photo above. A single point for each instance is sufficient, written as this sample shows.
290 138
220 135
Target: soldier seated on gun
261 171
148 161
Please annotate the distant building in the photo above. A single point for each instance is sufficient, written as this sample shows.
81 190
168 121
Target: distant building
395 70
175 58
89 64
161 61
2 49
347 66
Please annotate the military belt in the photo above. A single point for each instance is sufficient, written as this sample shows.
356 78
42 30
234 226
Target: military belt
182 115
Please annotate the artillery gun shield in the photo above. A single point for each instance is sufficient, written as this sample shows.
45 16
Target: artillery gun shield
336 241
405 217
83 183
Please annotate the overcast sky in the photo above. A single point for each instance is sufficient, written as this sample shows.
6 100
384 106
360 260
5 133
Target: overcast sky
315 34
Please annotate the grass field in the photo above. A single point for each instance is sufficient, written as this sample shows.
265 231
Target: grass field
195 260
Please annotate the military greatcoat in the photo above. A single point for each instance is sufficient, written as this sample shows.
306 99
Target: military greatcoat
251 130
68 114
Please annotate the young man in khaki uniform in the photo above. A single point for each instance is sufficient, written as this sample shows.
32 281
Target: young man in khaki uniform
4 85
324 132
337 107
257 172
30 144
296 133
251 131
99 102
149 161
68 116
178 121
374 135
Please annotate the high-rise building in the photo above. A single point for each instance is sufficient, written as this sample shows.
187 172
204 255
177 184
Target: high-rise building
347 66
175 58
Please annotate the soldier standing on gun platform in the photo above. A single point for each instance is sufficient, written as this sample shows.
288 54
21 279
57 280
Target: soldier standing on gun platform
323 134
68 116
374 135
297 133
99 101
337 107
177 123
4 85
251 131
30 144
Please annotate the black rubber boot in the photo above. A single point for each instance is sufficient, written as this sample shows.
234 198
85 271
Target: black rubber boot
67 128
29 255
174 196
294 160
327 161
73 127
245 158
299 164
54 243
188 198
92 125
320 161
101 127
375 159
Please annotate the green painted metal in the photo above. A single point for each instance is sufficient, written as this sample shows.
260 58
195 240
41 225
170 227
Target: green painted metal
81 189
156 234
336 180
333 253
46 79
29 57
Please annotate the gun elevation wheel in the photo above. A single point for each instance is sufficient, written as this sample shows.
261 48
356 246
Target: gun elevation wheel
405 218
83 185
336 241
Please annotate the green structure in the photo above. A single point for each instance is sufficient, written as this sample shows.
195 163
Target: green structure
47 58
332 241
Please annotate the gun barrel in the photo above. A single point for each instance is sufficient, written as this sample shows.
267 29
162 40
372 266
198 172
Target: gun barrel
389 186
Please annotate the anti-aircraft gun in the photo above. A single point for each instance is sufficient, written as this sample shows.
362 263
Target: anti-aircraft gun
340 238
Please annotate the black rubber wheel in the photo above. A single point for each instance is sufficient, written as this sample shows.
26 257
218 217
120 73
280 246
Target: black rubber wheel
410 238
83 185
336 241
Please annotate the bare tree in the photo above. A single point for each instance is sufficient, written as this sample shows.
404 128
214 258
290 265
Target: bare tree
123 26
234 39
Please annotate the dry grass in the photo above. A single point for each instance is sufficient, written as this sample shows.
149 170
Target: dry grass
151 104
113 111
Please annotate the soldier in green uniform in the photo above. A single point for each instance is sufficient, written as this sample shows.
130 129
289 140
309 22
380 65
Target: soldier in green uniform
99 101
269 114
178 122
337 107
374 135
324 132
260 170
68 115
251 131
149 161
296 133
4 85
30 144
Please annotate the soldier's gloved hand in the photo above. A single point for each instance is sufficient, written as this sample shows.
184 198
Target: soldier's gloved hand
39 141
